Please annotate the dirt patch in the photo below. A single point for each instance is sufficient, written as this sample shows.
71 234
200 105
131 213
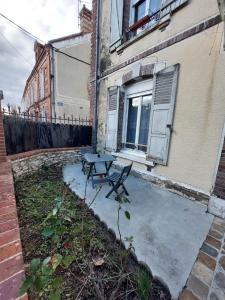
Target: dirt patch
93 264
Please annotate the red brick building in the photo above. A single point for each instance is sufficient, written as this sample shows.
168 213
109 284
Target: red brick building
52 87
37 92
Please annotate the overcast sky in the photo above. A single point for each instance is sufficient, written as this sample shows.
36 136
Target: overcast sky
46 19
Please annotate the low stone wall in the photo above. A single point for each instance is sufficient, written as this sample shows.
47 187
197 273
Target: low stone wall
28 162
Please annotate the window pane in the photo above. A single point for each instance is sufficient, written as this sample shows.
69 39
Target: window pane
144 122
140 10
132 121
155 5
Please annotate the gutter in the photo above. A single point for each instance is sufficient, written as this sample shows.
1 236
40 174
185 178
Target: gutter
95 130
52 78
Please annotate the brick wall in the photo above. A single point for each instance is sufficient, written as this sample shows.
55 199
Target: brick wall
219 189
2 138
85 20
11 259
33 101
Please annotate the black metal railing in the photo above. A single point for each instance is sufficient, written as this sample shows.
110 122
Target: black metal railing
64 119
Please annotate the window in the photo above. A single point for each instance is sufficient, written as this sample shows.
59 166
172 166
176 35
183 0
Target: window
138 118
143 14
41 84
154 6
140 10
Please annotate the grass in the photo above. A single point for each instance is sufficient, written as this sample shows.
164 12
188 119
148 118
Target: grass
100 268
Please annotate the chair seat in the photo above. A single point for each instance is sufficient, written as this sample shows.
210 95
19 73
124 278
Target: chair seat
114 176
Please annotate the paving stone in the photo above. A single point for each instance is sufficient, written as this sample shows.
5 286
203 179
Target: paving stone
222 262
198 287
220 280
213 296
209 250
212 241
188 295
219 228
207 260
219 221
217 235
203 273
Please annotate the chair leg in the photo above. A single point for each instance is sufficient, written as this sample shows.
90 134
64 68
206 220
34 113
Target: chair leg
125 190
83 166
114 189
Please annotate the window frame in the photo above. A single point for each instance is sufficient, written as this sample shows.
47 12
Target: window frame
131 93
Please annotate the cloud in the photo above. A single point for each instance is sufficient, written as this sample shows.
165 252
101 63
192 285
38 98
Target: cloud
46 19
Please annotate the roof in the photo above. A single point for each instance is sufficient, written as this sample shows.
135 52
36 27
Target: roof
67 37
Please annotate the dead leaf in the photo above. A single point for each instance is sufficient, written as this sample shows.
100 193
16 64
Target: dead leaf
98 261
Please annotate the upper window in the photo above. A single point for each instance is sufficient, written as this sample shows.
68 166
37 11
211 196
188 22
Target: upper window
41 84
140 10
144 13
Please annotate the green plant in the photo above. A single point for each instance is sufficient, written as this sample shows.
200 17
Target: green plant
57 221
144 285
41 277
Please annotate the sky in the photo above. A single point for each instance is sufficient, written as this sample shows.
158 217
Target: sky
46 19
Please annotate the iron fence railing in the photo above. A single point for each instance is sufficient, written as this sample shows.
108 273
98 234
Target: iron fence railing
64 119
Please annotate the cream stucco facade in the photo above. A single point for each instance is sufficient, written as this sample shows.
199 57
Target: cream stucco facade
200 103
71 77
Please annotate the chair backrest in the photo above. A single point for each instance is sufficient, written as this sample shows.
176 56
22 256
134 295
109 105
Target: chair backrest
125 172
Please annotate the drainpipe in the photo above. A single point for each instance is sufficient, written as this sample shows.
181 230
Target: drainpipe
52 72
96 76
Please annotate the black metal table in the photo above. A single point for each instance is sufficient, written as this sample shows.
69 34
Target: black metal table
93 159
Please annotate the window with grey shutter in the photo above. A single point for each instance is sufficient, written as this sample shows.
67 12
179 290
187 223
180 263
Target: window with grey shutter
114 118
164 98
116 23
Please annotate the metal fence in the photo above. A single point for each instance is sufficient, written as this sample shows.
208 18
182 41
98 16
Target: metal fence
24 132
53 119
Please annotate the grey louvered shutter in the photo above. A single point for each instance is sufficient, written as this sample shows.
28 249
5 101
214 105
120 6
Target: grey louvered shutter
116 23
164 98
114 124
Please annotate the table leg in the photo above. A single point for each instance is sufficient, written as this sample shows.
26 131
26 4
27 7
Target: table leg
90 171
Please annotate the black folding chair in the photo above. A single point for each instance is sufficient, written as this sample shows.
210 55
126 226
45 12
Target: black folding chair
117 180
85 164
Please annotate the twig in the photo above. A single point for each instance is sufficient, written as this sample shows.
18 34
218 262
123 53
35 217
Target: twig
90 204
97 290
117 288
78 295
118 222
127 293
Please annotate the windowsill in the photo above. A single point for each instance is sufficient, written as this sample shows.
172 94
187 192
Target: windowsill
175 5
138 37
139 23
134 156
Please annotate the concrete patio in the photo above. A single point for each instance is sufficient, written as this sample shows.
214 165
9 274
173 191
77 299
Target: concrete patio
168 229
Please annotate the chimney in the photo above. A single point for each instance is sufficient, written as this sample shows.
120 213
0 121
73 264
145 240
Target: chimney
85 20
38 49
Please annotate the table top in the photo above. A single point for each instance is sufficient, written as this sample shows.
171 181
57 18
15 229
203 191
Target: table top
93 158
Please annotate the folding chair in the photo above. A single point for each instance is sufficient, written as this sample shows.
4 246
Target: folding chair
117 180
85 164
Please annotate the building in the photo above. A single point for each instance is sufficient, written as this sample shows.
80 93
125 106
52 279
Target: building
58 83
157 96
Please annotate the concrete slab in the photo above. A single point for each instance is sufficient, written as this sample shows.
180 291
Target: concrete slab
168 229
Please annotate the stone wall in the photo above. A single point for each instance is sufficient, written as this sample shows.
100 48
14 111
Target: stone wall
28 162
